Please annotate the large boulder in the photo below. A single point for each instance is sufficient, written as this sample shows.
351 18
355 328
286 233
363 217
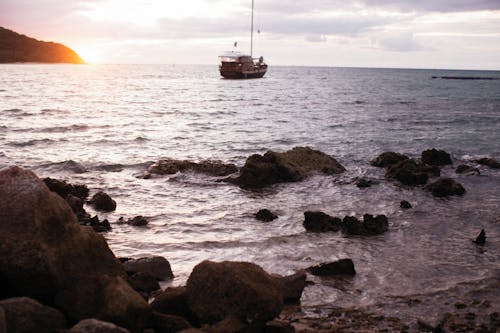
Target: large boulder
436 157
156 266
387 159
26 315
45 254
102 201
171 166
444 187
292 286
243 290
411 172
320 222
290 166
173 301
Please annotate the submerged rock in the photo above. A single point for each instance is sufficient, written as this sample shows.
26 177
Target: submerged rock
411 172
405 204
209 167
102 201
387 159
370 225
490 162
481 238
290 166
364 182
265 215
444 187
436 157
466 169
321 222
339 267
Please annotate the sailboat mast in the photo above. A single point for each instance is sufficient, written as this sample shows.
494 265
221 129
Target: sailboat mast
251 34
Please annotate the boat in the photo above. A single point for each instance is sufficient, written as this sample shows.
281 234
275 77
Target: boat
236 65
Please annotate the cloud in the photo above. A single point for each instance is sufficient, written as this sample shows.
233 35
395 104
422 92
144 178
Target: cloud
435 5
399 42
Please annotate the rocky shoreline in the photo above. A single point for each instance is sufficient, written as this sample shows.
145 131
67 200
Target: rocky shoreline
57 274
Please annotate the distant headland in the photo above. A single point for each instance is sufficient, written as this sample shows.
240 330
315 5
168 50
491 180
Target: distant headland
15 47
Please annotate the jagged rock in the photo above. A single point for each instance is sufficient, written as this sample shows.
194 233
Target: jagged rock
387 159
156 266
64 189
490 162
436 157
209 167
217 291
339 267
370 225
102 201
411 172
265 215
45 254
444 187
321 222
23 315
292 286
405 204
466 169
137 221
291 166
96 326
96 224
481 238
364 182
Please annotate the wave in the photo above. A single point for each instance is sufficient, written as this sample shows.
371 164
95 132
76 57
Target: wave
63 129
52 111
17 112
30 142
68 165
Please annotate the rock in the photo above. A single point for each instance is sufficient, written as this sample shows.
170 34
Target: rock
466 169
138 221
321 222
444 187
481 238
291 166
405 204
410 172
64 189
370 225
143 283
45 254
232 324
364 182
292 286
25 315
96 326
436 157
490 162
352 226
102 201
96 224
156 266
387 159
278 326
163 323
209 167
217 291
339 267
173 301
265 215
3 321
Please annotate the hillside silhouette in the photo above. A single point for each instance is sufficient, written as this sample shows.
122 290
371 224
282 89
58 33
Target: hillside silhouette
15 47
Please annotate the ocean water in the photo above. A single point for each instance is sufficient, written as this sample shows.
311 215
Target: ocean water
103 125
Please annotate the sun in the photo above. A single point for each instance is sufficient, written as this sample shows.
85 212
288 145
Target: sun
89 55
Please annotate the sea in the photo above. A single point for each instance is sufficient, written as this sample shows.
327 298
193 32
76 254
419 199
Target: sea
104 125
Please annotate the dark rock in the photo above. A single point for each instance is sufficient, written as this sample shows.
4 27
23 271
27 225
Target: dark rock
47 255
163 323
143 283
102 201
278 326
436 157
411 172
25 315
232 324
387 159
138 221
352 226
481 238
156 266
405 204
217 291
364 182
370 225
96 326
292 286
339 267
321 222
490 162
265 215
64 189
171 166
173 301
466 169
3 321
444 187
96 224
291 166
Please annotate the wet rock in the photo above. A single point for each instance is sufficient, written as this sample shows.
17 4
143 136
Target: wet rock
481 238
278 326
265 215
444 187
23 314
143 283
290 166
436 157
209 167
489 162
292 286
173 301
405 204
466 169
321 222
96 326
137 221
387 159
364 182
243 290
64 189
96 224
163 323
47 255
339 267
156 266
102 201
370 226
411 172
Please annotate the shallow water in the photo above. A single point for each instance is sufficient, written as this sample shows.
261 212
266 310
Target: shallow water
103 125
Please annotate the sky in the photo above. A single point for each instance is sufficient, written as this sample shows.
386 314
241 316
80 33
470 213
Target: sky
454 34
